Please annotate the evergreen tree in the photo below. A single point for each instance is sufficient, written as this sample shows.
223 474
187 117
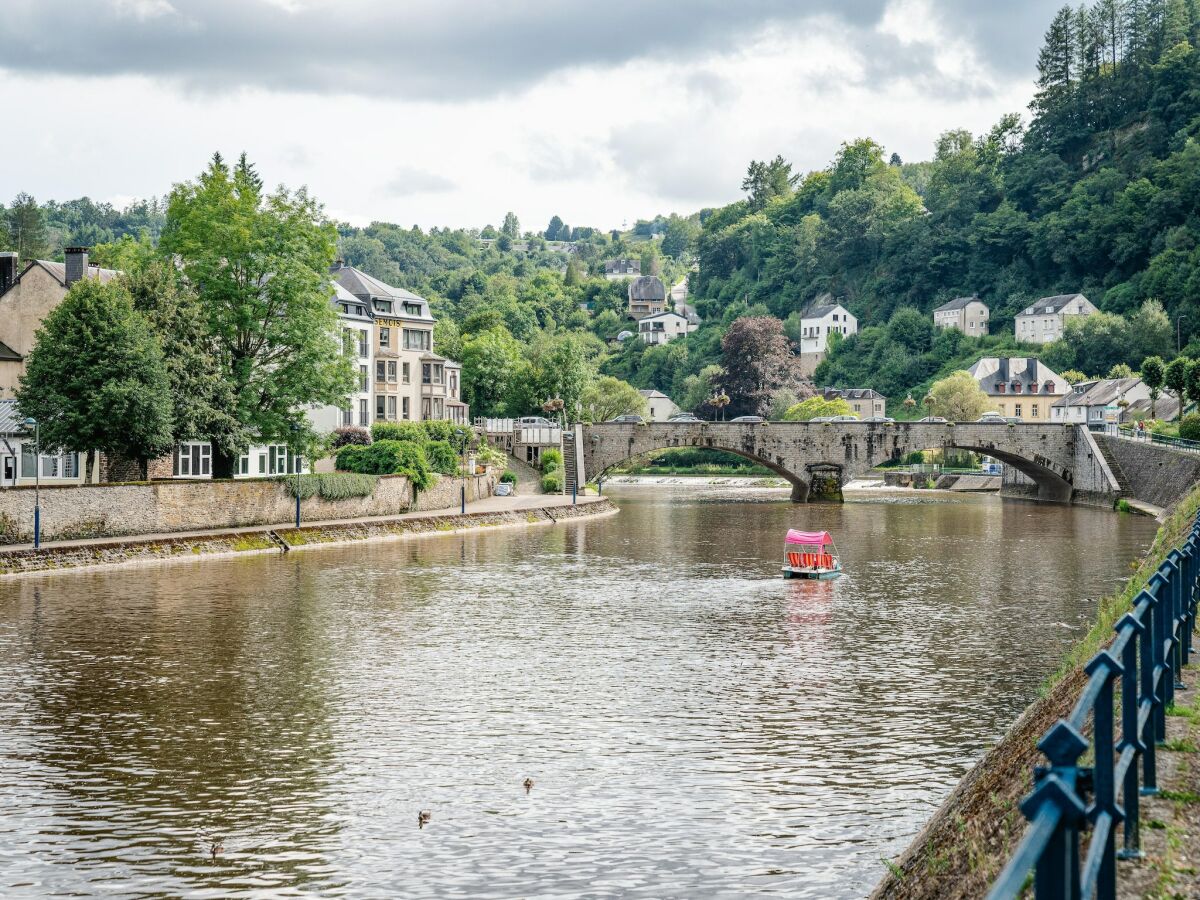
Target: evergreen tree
512 226
27 228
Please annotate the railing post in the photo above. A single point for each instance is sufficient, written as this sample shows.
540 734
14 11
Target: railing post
1104 774
1160 591
1176 559
1057 875
1146 695
1129 736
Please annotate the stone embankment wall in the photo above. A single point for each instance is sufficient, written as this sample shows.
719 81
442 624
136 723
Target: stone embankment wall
118 510
108 553
1153 473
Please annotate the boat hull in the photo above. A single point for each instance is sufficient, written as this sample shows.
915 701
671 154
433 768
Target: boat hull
814 574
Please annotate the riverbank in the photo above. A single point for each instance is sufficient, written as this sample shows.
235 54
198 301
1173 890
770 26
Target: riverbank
491 513
974 832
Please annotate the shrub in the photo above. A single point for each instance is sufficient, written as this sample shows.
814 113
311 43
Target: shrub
442 458
349 435
1189 427
487 455
439 429
551 460
400 431
552 482
387 457
509 477
331 486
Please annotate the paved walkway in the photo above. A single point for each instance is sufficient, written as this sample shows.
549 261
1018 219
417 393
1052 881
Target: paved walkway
490 504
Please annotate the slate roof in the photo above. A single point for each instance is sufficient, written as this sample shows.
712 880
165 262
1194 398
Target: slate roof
958 303
663 315
366 287
59 271
654 395
1098 393
1165 408
647 287
623 266
8 354
1026 370
853 393
1049 305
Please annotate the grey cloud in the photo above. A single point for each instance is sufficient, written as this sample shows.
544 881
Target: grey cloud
408 181
675 163
417 49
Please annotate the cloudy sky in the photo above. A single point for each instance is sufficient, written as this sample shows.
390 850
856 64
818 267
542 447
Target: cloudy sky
449 112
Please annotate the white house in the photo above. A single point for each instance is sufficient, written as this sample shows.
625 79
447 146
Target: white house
356 328
821 320
661 406
968 314
20 465
1088 401
664 327
864 402
1045 320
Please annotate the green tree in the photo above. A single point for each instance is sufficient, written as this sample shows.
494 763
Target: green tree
817 407
490 361
511 227
1155 376
552 230
765 181
26 223
1074 376
95 379
957 397
1120 370
758 361
260 265
1176 377
608 397
1193 382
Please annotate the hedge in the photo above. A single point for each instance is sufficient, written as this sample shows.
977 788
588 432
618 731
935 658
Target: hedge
400 431
551 460
335 486
388 457
442 458
552 482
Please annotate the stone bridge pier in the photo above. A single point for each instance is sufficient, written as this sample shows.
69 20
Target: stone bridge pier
1061 463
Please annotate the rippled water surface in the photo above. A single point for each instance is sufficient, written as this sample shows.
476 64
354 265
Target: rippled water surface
694 725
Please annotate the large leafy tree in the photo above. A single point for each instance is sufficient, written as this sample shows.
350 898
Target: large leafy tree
758 362
96 380
490 361
608 397
817 407
957 397
260 265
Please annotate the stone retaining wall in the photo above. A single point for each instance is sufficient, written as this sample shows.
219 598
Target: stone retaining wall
107 553
118 510
1155 474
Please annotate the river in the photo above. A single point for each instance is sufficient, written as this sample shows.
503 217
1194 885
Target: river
694 725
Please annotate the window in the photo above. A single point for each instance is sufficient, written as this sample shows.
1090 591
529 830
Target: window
1034 411
379 414
193 459
404 371
262 464
1033 388
347 341
347 414
1017 410
391 371
383 306
363 414
385 337
380 370
412 309
437 374
364 344
405 410
1000 388
243 464
454 384
415 339
364 380
426 373
391 408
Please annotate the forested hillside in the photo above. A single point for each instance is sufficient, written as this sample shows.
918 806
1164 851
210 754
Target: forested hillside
1096 190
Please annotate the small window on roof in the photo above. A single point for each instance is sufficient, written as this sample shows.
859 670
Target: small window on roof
412 309
383 306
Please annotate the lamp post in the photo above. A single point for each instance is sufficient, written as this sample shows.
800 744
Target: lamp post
1179 332
296 467
37 481
461 435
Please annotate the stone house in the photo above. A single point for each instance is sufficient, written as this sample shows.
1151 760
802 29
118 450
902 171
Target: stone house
968 314
27 296
1045 320
647 297
661 407
1021 387
864 402
822 319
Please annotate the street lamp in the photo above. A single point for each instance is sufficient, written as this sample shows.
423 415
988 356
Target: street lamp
461 436
37 480
296 467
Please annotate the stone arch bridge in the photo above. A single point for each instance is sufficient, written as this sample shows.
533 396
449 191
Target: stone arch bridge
1061 463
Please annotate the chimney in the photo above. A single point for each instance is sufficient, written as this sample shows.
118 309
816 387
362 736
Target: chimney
77 264
8 270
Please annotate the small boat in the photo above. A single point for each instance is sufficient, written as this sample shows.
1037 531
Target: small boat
810 554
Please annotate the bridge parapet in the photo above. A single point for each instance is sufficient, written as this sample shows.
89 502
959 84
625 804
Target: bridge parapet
1056 458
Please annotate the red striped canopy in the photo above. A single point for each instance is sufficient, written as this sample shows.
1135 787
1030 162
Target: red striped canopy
808 537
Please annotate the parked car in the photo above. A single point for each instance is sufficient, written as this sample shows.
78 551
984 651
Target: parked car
748 420
844 419
934 420
819 419
992 418
880 420
628 419
504 489
685 417
535 422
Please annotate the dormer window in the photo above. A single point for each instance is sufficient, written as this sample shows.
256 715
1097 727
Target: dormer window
383 306
412 309
1016 387
1000 387
1033 388
1049 387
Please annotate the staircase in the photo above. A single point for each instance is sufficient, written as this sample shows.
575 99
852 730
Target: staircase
570 473
1103 441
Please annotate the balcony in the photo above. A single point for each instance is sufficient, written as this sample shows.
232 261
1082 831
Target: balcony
429 389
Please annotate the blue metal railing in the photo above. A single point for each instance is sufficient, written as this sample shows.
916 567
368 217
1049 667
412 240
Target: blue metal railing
1152 646
1152 437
